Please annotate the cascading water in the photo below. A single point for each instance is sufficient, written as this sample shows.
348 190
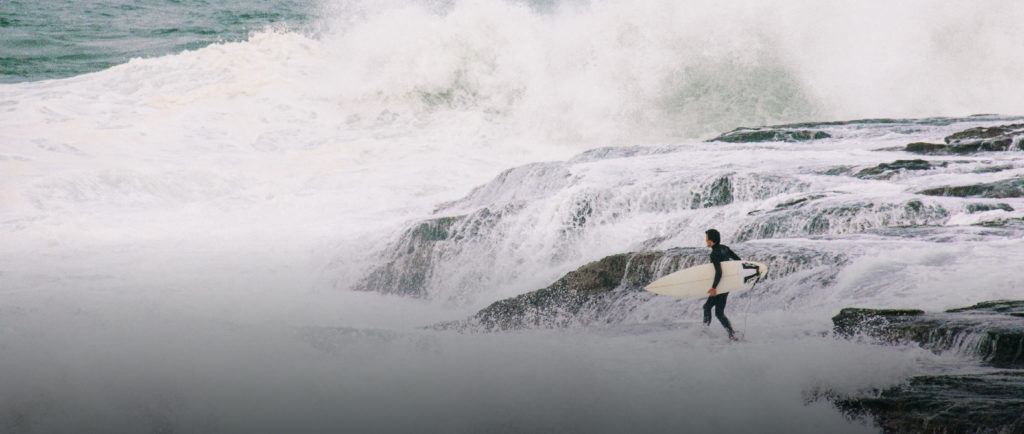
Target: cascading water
558 216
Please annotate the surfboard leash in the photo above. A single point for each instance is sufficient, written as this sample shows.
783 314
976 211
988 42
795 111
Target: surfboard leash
746 307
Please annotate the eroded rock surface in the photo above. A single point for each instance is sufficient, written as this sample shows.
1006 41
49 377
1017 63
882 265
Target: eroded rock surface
1006 188
609 290
976 403
988 402
991 331
888 170
973 140
770 134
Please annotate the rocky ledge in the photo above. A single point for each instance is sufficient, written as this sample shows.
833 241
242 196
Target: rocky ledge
1012 187
992 331
608 291
564 303
888 170
770 134
979 403
973 140
988 402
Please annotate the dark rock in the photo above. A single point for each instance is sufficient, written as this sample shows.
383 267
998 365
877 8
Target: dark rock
999 138
981 207
888 170
936 121
998 306
898 124
990 402
769 134
558 304
718 194
929 148
1013 187
991 331
878 323
838 170
817 216
800 201
976 403
1002 223
608 290
973 140
993 169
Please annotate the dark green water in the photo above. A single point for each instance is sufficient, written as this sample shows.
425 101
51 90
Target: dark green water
62 38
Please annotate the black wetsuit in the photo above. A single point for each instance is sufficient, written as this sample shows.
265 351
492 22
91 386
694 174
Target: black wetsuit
719 253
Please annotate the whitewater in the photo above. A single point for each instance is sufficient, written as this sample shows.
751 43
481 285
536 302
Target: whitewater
208 239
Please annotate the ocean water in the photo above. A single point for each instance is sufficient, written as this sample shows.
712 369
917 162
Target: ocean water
59 39
190 192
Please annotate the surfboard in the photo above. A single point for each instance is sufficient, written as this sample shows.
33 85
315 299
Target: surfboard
696 281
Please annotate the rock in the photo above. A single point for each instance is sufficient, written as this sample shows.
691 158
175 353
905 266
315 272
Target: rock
993 169
974 403
407 274
800 201
992 331
769 134
974 140
888 170
1002 223
999 138
413 256
1009 307
452 254
609 290
558 304
982 207
718 194
833 215
805 131
929 148
1013 187
878 323
991 402
838 170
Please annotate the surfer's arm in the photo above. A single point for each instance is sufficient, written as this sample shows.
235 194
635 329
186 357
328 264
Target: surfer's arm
718 274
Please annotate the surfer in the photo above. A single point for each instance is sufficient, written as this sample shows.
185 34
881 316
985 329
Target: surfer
719 253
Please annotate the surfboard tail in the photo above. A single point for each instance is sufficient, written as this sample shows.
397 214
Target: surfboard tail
758 273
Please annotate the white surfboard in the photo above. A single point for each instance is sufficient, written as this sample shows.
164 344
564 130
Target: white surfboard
696 281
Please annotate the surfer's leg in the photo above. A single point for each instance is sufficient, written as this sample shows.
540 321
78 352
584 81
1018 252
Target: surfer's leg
707 310
720 313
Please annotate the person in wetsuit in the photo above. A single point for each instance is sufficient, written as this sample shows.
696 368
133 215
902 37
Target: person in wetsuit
719 253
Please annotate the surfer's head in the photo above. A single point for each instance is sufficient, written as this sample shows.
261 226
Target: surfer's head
713 237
